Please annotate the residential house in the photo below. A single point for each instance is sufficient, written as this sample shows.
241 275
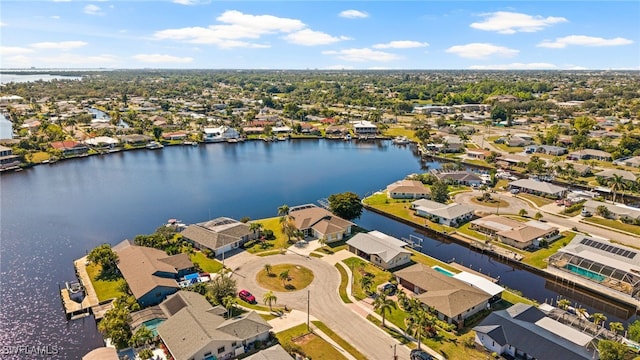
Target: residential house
220 133
408 189
453 300
336 130
616 211
150 273
6 128
452 144
363 127
538 188
516 141
276 352
477 154
522 331
380 249
218 235
447 214
515 233
581 169
589 154
176 135
633 161
432 109
320 223
136 139
281 130
611 173
309 129
253 130
466 178
546 149
70 147
102 353
102 142
7 159
195 330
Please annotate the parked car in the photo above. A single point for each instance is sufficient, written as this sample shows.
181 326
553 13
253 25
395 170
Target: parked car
419 355
515 191
585 213
389 288
247 296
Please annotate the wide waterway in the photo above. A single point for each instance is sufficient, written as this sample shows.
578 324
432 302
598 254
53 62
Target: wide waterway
53 214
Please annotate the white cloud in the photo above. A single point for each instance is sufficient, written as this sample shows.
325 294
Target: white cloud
362 55
61 0
62 45
236 26
192 2
401 44
17 61
582 40
515 66
308 37
2 23
159 58
14 50
353 14
338 67
93 10
505 22
55 17
68 60
481 50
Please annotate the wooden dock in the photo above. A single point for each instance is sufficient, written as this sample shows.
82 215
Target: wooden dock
90 304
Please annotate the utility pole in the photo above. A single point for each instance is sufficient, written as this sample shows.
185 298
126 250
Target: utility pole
308 302
395 356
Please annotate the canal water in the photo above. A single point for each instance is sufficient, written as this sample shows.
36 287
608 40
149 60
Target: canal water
53 214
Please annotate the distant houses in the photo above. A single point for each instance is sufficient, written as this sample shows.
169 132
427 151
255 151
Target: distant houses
363 127
219 235
466 178
515 233
70 147
7 159
220 134
589 154
380 249
538 188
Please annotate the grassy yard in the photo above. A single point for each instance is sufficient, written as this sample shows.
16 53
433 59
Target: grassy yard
615 224
453 347
245 304
419 257
206 264
105 288
466 230
38 157
344 279
538 257
359 268
279 242
399 131
402 209
538 200
514 298
299 278
340 341
312 345
393 332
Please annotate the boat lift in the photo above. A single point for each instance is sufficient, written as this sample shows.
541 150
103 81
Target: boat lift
413 241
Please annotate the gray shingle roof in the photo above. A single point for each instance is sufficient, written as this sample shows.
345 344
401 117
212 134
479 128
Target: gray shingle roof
386 249
273 353
216 233
539 186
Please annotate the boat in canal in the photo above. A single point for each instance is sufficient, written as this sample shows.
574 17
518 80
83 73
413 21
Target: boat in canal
76 290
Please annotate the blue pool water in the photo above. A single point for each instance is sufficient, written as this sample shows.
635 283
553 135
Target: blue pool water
152 325
442 271
585 273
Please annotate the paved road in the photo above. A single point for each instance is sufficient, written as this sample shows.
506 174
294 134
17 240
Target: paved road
325 303
515 204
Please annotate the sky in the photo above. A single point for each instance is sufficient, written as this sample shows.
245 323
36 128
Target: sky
374 34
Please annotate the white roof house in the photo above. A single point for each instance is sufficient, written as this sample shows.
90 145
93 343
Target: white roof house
540 187
6 128
220 133
480 282
448 214
364 127
379 248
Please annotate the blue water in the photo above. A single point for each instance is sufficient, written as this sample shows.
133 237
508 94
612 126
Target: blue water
585 273
442 271
153 325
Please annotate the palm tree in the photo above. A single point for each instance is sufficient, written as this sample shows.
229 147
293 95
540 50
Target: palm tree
365 283
581 312
229 302
617 182
564 304
283 211
256 227
269 298
142 336
538 215
417 320
288 227
267 268
383 304
522 212
284 276
616 327
403 299
598 318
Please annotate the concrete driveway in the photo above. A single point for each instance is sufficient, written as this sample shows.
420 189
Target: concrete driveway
325 303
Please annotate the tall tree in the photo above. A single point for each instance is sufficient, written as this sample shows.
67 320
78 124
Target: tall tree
104 256
416 322
222 286
439 192
267 268
611 350
284 276
141 337
346 205
269 298
383 304
365 283
598 318
229 303
617 183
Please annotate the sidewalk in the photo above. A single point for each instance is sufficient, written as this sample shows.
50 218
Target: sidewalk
361 308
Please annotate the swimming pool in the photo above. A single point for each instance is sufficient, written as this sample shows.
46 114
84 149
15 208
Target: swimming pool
585 273
442 270
152 325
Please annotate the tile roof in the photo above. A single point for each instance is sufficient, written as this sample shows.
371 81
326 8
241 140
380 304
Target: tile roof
408 187
319 219
386 247
539 186
216 233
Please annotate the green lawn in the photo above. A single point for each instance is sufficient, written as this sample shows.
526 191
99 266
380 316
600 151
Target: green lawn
206 264
299 278
245 304
279 242
340 341
38 157
313 346
359 267
419 257
393 332
344 278
615 224
466 229
105 288
398 131
402 209
514 298
538 200
538 257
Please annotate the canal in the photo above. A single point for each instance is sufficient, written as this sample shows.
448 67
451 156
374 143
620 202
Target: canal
53 214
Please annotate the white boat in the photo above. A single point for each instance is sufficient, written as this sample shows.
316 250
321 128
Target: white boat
76 291
192 143
347 137
232 140
401 140
154 145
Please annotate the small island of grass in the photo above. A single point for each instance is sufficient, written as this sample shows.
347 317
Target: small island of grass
284 277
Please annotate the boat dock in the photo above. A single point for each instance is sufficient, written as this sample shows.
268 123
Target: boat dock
90 304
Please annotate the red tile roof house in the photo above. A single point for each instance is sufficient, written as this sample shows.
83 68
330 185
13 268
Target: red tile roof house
70 147
319 223
179 135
